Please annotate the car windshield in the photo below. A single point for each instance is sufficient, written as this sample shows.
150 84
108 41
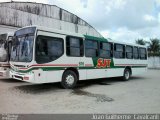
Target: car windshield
22 49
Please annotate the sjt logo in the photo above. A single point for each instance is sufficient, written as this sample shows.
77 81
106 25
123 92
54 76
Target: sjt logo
103 63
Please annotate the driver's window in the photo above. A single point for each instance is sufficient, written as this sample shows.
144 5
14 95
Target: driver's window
48 49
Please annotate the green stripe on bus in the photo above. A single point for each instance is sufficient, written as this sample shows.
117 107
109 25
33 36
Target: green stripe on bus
95 38
63 68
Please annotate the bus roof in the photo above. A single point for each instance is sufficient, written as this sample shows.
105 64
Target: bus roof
112 41
47 29
130 44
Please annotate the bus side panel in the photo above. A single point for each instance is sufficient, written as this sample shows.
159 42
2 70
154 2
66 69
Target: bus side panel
115 72
140 69
96 73
39 76
82 74
54 76
48 76
104 73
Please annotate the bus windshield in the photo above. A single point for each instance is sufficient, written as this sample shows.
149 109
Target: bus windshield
3 48
22 47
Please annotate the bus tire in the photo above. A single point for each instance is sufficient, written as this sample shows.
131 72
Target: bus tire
69 79
126 74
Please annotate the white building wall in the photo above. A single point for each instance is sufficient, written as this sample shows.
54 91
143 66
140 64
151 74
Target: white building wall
20 14
154 62
5 29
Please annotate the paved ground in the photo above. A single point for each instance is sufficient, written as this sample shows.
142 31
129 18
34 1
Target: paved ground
139 95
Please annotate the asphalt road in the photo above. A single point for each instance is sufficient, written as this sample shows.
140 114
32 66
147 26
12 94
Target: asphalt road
139 95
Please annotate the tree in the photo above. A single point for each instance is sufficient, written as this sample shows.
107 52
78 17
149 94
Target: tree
140 42
154 46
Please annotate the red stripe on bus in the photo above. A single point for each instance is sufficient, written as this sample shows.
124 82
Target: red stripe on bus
88 65
4 65
49 65
130 64
55 65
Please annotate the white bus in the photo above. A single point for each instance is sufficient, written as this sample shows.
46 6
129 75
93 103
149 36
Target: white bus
5 49
43 55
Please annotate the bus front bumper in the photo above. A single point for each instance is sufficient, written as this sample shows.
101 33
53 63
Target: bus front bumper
27 77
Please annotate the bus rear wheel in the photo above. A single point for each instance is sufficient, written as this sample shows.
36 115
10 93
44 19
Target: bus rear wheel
69 79
126 74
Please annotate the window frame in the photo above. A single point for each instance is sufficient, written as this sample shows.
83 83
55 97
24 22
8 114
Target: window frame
43 36
128 52
124 50
81 46
137 52
97 50
140 53
111 50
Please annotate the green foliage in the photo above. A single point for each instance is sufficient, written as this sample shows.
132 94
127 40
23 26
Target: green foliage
140 42
153 54
153 46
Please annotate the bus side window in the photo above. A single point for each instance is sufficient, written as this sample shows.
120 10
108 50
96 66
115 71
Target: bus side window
74 46
143 53
105 50
129 52
48 49
119 51
136 53
91 48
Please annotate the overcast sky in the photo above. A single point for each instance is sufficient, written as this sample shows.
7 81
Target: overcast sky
124 20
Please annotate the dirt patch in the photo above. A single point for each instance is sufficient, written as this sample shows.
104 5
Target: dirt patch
37 88
99 97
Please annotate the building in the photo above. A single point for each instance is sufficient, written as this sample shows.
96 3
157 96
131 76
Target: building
15 15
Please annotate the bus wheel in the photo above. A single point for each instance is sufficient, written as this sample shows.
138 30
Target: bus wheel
126 74
69 79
